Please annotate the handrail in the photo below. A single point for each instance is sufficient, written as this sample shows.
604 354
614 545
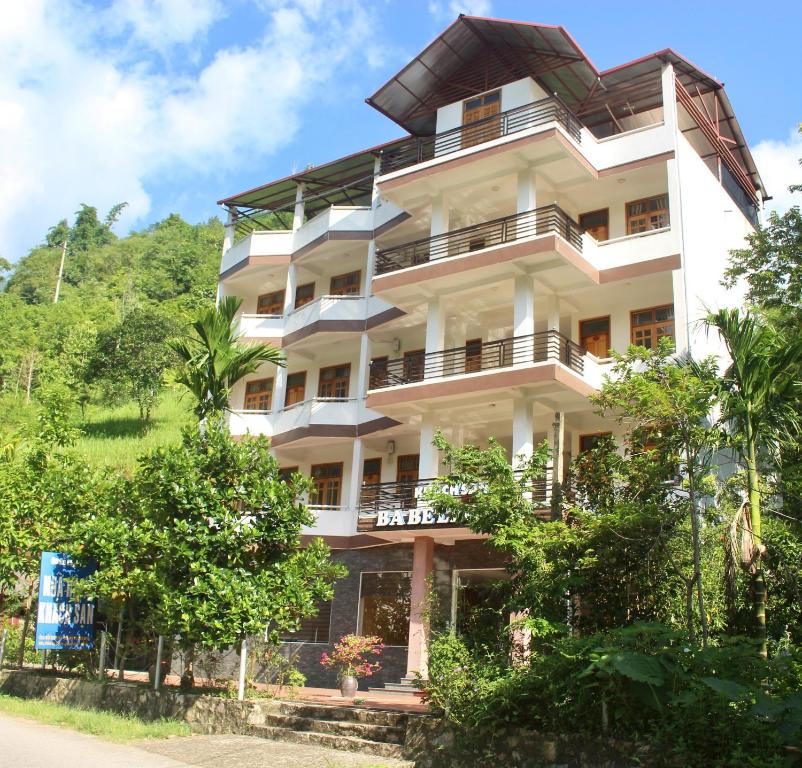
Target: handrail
420 149
474 358
540 221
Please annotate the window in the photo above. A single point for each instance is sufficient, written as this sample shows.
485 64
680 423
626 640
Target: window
594 336
378 372
328 480
413 365
258 395
589 442
286 473
334 381
649 325
407 468
647 214
296 389
313 629
477 109
304 294
596 223
270 303
346 285
371 471
384 600
473 355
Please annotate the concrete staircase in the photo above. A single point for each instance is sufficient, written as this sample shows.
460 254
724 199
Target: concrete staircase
407 685
374 732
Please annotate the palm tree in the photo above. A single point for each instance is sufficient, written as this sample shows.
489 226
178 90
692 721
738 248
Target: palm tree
759 395
213 360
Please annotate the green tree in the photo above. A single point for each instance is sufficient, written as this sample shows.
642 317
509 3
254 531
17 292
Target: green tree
667 403
213 359
759 395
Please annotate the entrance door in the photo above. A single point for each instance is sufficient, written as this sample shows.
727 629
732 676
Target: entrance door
473 355
474 110
407 477
479 603
328 480
414 362
596 224
594 336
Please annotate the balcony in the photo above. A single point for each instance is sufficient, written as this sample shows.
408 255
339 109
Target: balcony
385 507
529 116
504 353
549 219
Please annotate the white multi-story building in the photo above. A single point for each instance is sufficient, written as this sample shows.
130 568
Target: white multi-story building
472 277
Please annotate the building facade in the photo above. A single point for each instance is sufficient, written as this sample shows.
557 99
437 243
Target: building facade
472 277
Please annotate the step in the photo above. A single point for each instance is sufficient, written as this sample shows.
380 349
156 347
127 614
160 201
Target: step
330 740
385 733
396 688
349 714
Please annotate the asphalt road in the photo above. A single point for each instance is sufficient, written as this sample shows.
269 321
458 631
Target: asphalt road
28 744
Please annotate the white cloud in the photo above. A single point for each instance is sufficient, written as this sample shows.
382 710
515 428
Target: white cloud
89 114
778 164
448 11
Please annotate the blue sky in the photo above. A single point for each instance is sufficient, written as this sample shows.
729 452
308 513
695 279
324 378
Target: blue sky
173 104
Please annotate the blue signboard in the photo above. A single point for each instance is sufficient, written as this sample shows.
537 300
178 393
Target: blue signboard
62 622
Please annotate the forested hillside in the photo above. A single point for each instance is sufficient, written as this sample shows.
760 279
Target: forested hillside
102 350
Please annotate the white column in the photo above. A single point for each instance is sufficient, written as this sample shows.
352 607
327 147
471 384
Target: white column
363 375
557 446
527 199
429 464
522 431
523 320
435 325
356 475
289 291
439 223
370 270
279 389
298 213
230 231
553 312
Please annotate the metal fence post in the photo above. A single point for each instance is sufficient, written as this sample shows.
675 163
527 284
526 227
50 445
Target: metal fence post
101 665
243 657
3 646
157 678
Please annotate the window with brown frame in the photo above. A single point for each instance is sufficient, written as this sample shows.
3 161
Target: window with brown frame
286 473
596 223
476 109
334 381
270 303
313 629
647 214
296 388
594 336
650 325
328 480
304 294
371 477
378 372
414 362
589 442
258 395
346 285
407 468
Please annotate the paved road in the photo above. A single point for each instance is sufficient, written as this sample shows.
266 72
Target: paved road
28 744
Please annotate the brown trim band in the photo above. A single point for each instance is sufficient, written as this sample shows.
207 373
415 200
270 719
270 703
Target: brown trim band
641 268
342 326
333 430
278 261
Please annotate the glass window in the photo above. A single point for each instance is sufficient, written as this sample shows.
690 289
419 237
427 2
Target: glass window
346 285
313 629
286 473
296 388
649 325
270 303
334 381
304 294
258 395
647 214
384 606
589 442
328 480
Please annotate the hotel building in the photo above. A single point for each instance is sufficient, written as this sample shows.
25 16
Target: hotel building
472 277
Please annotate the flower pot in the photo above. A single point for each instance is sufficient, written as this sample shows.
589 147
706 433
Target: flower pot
348 686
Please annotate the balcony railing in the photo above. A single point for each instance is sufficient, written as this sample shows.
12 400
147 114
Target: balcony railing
473 358
420 149
540 221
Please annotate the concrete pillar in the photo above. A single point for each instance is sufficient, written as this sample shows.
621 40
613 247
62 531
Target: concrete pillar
429 462
523 320
422 563
435 325
523 428
230 231
553 312
298 213
527 198
289 291
439 223
370 270
557 445
363 374
355 487
279 389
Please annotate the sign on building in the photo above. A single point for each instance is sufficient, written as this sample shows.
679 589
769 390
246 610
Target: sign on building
62 621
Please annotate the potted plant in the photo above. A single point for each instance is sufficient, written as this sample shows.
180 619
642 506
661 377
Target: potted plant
349 658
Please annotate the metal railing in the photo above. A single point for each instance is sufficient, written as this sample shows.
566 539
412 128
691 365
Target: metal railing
476 357
540 221
408 494
420 149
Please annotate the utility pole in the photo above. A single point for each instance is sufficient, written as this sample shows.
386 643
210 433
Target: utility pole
60 270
